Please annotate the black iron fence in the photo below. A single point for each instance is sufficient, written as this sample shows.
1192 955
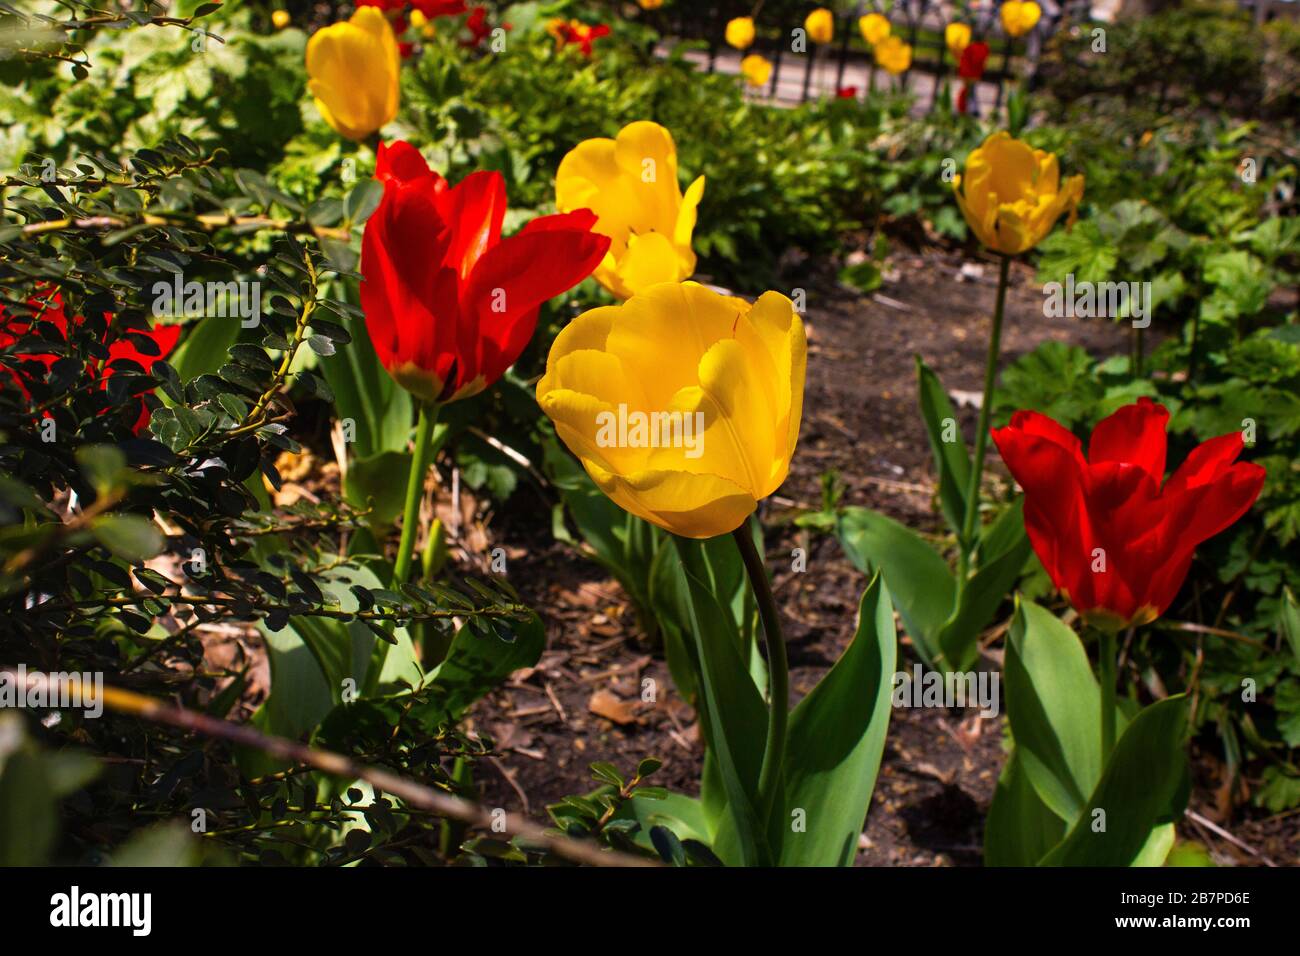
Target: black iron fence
920 23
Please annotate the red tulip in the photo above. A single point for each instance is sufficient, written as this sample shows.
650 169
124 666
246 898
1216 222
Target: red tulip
439 8
584 35
847 92
479 29
449 304
973 58
1111 537
47 306
395 11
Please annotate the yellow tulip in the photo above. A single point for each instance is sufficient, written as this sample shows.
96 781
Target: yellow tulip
280 19
650 4
820 25
352 68
756 69
630 183
957 38
1018 17
555 27
874 28
1012 194
740 32
682 404
422 23
893 55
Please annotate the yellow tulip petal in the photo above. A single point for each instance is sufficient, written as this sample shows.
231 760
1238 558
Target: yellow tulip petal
353 73
782 332
740 33
874 28
588 426
662 333
756 69
650 260
693 506
647 158
630 183
956 36
685 227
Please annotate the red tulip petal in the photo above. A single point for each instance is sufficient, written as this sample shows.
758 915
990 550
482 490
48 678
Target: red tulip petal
1123 502
515 277
1196 514
1202 512
1207 461
403 243
474 208
1056 515
402 164
582 220
1035 423
1134 434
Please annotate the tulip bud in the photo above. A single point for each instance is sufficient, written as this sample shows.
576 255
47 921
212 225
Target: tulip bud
956 36
740 33
874 28
352 68
1020 16
682 404
756 69
820 25
630 183
1012 194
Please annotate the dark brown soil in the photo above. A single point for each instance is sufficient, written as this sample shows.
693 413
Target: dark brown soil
582 703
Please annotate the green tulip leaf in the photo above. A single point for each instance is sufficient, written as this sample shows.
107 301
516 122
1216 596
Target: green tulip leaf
1020 829
918 578
733 716
951 458
836 738
1141 783
979 602
1054 708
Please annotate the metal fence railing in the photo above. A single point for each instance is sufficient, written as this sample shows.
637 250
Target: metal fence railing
921 23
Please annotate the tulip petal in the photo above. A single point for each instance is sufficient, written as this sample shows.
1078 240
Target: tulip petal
650 259
401 283
685 227
1211 490
782 333
1056 515
663 332
401 163
1134 434
353 68
477 207
690 505
511 281
578 420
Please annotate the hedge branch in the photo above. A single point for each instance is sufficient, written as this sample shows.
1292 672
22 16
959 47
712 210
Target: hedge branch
326 761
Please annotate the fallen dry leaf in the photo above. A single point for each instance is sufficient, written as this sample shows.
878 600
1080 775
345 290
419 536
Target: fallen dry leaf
607 705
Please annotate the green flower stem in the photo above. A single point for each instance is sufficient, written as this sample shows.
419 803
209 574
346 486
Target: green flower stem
410 519
1106 676
414 492
971 518
770 777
